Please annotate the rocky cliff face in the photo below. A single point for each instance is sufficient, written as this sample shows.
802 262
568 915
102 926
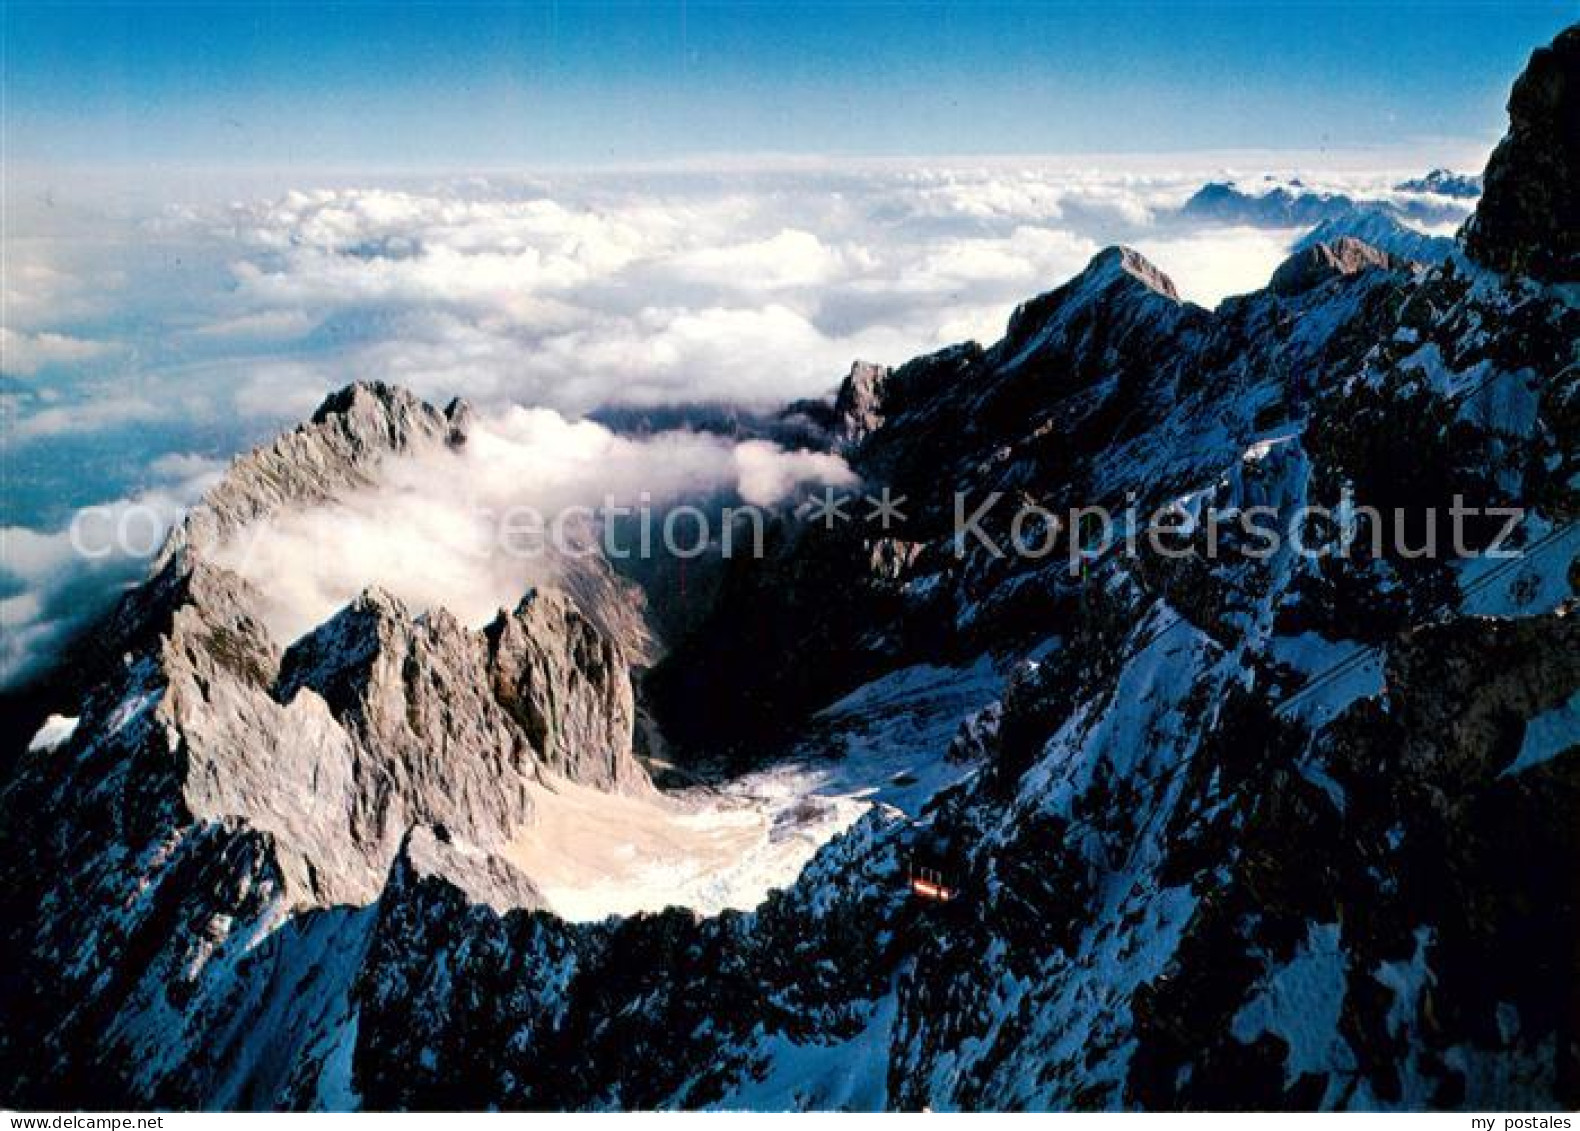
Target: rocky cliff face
565 684
218 795
856 406
1276 831
1528 221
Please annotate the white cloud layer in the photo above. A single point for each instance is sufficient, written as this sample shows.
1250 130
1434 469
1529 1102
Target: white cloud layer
211 324
580 290
23 354
59 579
461 528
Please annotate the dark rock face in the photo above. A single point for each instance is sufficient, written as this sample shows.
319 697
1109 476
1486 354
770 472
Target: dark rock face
1321 262
730 691
1082 356
1403 858
1528 220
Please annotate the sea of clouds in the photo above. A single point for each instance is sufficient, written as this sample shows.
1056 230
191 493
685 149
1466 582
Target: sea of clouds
473 528
144 342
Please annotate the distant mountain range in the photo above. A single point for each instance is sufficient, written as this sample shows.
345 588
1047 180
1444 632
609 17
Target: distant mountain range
1294 206
1442 182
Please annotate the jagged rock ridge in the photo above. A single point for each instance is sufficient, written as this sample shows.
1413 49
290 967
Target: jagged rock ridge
338 449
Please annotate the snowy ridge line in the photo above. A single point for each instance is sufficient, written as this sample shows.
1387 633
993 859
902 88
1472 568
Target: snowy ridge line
1366 652
1162 777
1481 383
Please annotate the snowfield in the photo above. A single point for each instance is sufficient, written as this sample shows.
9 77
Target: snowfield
595 854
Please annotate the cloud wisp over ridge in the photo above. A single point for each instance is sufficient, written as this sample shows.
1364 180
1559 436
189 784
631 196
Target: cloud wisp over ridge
448 527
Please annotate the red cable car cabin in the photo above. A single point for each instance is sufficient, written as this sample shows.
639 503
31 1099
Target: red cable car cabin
929 884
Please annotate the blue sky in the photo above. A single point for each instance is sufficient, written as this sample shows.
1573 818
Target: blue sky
427 84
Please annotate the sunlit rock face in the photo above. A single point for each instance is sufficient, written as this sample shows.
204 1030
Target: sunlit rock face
568 687
1322 262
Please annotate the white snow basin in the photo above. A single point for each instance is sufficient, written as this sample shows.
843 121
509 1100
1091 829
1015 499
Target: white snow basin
595 854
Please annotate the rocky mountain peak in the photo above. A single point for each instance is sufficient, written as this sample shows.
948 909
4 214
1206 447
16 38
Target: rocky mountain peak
368 409
461 416
338 449
331 658
1119 285
1314 265
1118 260
1528 221
858 406
565 684
377 417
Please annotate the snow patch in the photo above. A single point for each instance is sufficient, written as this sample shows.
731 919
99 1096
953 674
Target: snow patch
1535 582
1508 404
1548 735
1340 672
849 1075
1300 1003
56 732
596 854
